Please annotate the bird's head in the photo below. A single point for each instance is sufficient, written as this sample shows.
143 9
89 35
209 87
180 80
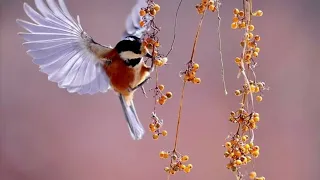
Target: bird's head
131 47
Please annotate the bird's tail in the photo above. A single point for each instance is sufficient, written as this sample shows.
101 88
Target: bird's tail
135 127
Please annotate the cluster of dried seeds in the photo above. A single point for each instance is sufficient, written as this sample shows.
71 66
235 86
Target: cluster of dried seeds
240 147
178 162
205 5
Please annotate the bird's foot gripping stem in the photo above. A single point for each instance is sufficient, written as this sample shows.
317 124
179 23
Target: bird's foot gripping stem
130 89
152 62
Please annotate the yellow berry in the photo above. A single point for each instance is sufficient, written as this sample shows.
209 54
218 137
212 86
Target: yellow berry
189 166
161 154
257 38
141 23
212 8
158 62
244 159
182 166
196 80
247 146
237 93
161 87
172 172
238 162
235 19
242 43
156 7
257 50
252 88
236 11
252 125
229 166
195 67
244 138
255 154
166 169
185 158
164 60
255 114
161 101
169 95
151 126
252 175
158 125
226 154
237 60
256 119
186 77
187 169
259 13
237 153
164 97
192 74
234 25
259 98
157 44
243 25
165 155
228 145
256 148
251 27
155 136
248 56
164 133
153 12
153 129
257 89
249 158
142 12
241 13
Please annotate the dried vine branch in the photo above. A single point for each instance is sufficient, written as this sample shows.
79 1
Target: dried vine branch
240 147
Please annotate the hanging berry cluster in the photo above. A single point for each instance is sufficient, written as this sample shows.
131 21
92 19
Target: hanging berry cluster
177 160
207 4
240 147
151 43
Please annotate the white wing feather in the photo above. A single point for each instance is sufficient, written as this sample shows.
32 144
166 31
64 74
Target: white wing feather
132 23
58 44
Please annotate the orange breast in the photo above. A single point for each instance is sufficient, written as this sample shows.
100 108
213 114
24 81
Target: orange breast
120 75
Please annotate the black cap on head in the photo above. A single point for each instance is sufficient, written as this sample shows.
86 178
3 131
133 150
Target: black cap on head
129 43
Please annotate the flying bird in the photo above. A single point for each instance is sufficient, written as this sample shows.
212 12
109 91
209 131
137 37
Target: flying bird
75 61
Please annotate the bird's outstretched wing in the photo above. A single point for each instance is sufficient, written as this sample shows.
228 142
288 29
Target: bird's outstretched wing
132 24
63 50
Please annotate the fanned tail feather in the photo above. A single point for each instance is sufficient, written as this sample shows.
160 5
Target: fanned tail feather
135 127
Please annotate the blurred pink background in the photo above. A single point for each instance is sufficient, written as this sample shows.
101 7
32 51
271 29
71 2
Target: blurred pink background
48 134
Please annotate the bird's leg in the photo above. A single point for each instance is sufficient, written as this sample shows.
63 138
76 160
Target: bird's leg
151 66
139 85
152 63
144 92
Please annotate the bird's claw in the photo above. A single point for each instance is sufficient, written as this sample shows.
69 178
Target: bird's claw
130 89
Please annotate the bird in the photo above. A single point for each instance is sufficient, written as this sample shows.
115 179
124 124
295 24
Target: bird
71 58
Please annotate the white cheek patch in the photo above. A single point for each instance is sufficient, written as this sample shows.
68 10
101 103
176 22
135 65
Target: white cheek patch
129 55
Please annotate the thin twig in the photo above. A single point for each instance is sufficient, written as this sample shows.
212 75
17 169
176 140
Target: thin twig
174 29
196 38
220 51
179 115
